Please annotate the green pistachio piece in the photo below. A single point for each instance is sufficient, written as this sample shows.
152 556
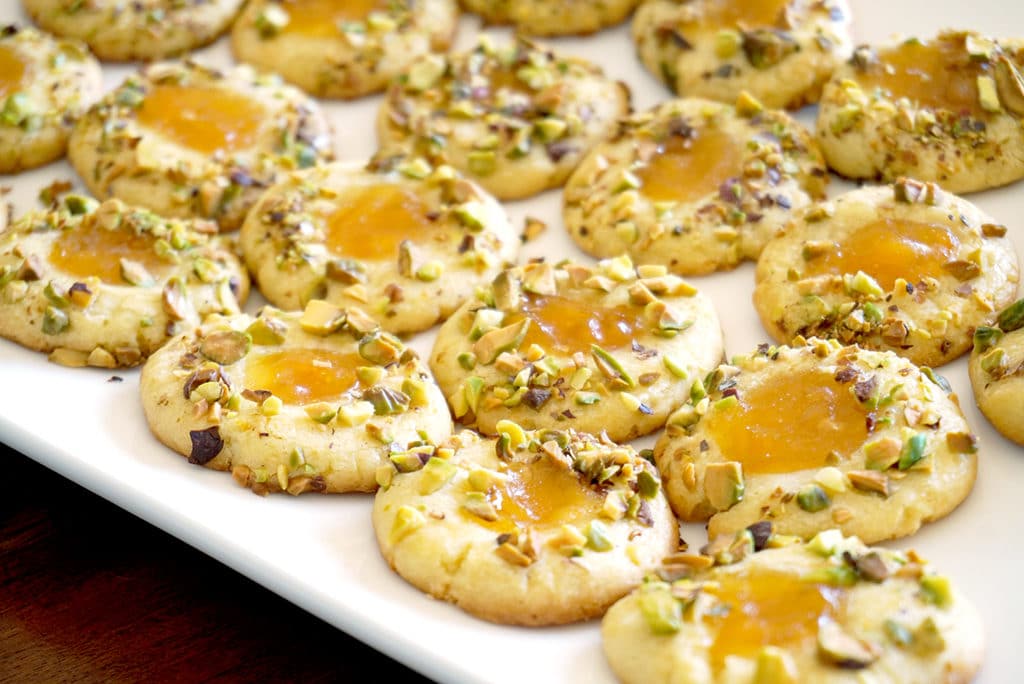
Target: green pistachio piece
988 96
56 298
586 398
417 391
467 360
775 666
406 461
913 450
271 20
386 401
499 340
840 648
938 590
1012 317
647 484
898 634
473 215
597 537
767 47
993 361
662 612
266 331
478 504
836 575
436 474
610 366
985 338
321 318
723 484
727 43
380 348
225 347
1010 85
550 129
484 321
321 412
78 205
482 162
812 498
407 520
862 283
473 390
17 109
55 321
417 168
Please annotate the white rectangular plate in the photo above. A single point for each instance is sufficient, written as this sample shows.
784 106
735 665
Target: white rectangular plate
319 552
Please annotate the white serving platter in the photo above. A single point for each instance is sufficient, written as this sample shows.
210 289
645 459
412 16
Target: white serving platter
319 551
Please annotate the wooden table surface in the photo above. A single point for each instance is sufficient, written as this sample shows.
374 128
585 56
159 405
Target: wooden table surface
89 592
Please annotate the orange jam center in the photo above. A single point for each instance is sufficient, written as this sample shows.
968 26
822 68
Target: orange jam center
940 75
768 608
206 120
687 169
93 251
371 222
303 376
568 326
541 493
888 249
790 423
12 71
320 18
749 13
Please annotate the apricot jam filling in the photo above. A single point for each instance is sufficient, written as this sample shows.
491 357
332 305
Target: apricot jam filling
12 71
937 74
746 13
90 250
206 120
568 326
542 493
371 222
791 422
687 169
303 376
320 18
888 249
768 608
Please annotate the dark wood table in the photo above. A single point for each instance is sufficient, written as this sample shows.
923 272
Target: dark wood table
89 592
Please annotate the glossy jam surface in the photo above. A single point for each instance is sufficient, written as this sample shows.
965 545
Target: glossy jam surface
938 74
206 120
93 251
569 326
542 494
790 422
888 249
746 13
303 376
12 71
320 18
768 608
371 222
688 169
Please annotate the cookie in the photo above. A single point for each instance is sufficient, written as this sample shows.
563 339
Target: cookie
609 347
45 84
145 30
107 284
996 370
908 268
780 51
832 610
187 140
532 528
516 118
694 185
345 50
406 242
307 401
552 17
818 436
949 109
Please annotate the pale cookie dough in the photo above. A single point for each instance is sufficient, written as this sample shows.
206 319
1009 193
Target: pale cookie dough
553 17
692 184
815 437
830 611
996 369
781 51
186 140
532 528
346 50
607 347
908 268
45 85
106 284
304 401
949 110
516 118
137 30
406 242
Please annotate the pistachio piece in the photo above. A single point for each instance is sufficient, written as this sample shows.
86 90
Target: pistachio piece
356 413
597 537
938 590
271 20
206 444
882 453
345 271
872 567
841 649
610 366
507 290
869 481
135 273
988 96
1012 317
540 280
812 498
962 269
386 401
55 321
723 484
962 442
775 666
747 105
226 347
266 331
1009 85
380 348
435 475
174 299
496 341
477 504
512 554
407 520
662 612
767 47
647 484
321 318
913 450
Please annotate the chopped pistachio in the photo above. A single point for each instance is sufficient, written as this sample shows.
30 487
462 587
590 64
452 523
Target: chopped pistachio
271 19
838 647
862 283
938 590
962 442
380 348
225 347
775 666
321 412
610 366
747 105
435 475
271 406
55 321
985 338
913 450
723 484
135 273
1010 85
417 391
897 633
766 47
882 453
496 341
321 318
988 96
662 612
477 504
513 555
17 110
727 43
647 484
597 537
407 520
812 498
355 413
826 542
1012 317
869 481
386 401
416 167
993 361
101 358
